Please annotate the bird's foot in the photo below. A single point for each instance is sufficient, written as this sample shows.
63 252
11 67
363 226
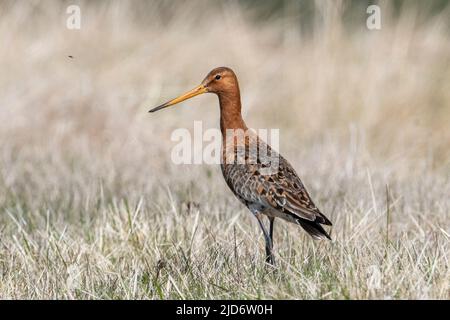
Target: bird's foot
270 259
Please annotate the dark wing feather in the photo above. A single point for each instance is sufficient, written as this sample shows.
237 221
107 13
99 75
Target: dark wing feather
285 189
281 189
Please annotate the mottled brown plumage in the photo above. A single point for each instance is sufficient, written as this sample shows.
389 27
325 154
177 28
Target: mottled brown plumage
247 165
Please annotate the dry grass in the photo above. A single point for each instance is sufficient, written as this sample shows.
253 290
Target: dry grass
92 207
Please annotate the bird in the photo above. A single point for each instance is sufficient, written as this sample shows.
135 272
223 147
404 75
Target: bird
272 191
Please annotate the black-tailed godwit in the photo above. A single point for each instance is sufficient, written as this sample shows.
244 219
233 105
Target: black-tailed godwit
275 193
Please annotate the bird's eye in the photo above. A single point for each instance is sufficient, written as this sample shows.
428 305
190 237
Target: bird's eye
218 77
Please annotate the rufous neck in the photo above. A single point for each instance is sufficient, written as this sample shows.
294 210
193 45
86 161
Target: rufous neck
230 111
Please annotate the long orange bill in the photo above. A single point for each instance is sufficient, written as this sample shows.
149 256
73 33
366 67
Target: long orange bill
194 92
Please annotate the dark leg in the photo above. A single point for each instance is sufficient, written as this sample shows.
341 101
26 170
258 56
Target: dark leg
269 254
272 258
271 220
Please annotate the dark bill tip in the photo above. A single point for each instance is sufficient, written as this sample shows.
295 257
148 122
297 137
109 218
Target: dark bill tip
158 108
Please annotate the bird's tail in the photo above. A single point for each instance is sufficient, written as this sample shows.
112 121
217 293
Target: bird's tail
314 229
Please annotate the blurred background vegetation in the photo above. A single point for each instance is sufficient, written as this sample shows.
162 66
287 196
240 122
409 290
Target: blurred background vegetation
91 204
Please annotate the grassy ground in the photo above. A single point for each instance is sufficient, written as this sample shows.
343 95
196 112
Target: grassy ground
91 205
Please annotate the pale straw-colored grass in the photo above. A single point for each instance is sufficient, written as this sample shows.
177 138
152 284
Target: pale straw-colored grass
91 205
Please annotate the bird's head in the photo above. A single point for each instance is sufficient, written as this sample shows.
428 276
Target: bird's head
220 81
